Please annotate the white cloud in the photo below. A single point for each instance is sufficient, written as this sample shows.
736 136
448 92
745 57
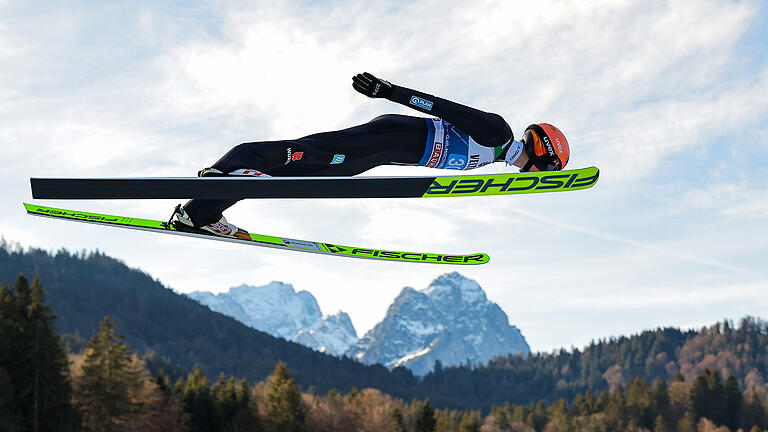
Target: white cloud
738 201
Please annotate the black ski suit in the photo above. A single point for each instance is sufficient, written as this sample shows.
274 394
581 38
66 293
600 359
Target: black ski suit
388 139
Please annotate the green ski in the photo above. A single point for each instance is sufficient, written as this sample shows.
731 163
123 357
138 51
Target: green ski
259 239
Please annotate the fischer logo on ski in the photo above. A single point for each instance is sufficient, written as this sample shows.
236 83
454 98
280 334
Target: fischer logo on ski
76 215
408 256
512 184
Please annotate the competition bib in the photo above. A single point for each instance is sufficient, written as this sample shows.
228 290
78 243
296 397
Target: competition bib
449 147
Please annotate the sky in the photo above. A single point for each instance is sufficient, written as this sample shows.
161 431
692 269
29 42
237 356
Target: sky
669 99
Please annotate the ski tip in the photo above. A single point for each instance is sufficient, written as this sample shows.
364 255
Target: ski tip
483 259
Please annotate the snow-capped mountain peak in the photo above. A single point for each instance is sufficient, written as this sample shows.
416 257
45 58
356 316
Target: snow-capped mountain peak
277 309
451 320
450 285
332 334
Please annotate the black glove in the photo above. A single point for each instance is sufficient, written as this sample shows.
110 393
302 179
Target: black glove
371 86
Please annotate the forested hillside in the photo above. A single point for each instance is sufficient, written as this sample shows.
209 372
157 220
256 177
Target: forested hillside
108 387
83 288
740 350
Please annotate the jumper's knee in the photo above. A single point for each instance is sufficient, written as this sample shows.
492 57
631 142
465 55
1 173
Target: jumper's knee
242 159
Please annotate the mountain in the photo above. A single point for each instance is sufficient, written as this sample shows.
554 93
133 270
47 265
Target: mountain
332 334
277 309
450 321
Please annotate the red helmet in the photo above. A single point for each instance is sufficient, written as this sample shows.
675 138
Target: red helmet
546 147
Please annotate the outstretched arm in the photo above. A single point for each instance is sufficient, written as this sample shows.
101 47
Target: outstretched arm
487 129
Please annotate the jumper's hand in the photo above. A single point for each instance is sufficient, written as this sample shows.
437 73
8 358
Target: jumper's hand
371 86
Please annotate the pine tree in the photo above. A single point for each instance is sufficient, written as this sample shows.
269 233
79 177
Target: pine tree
244 421
660 425
639 402
501 415
659 396
717 396
732 402
224 400
425 418
687 423
246 418
471 422
448 420
398 422
285 409
616 412
230 399
10 420
579 406
701 399
559 420
632 426
590 403
34 362
708 396
538 417
198 403
10 341
519 414
752 410
110 382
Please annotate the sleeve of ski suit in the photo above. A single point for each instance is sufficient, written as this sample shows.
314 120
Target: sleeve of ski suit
487 129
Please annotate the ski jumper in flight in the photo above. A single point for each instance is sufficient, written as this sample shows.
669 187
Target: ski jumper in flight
459 138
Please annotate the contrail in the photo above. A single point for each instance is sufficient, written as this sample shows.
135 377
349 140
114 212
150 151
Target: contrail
626 241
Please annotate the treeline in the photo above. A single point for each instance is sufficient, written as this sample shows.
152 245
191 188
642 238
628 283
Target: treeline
738 350
706 404
108 388
161 324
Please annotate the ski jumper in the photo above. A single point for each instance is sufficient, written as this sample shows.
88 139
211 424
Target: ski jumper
459 138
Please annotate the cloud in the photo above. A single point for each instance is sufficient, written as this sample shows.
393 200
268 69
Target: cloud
736 201
649 246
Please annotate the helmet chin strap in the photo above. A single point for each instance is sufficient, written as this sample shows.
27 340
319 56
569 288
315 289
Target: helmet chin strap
527 166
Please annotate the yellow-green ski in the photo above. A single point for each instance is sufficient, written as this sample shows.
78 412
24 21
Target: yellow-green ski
259 239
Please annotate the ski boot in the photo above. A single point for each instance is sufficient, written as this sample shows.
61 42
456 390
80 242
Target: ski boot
181 221
213 172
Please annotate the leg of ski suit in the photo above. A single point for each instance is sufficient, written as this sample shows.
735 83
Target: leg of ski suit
387 139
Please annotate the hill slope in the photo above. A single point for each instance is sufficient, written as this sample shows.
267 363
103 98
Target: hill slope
83 288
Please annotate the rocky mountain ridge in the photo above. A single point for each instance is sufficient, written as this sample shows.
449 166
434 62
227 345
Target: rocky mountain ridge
451 320
277 309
